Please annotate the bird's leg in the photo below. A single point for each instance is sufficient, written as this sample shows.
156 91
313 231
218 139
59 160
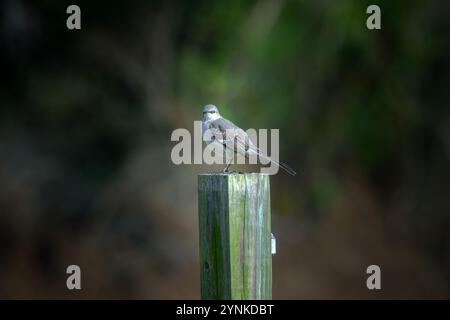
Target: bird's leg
228 165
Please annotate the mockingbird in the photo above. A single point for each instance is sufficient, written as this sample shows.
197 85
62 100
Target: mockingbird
226 137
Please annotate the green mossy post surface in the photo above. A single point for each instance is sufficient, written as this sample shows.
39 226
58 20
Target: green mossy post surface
234 234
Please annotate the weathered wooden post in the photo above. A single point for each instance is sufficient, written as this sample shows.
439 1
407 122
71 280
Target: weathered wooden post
235 236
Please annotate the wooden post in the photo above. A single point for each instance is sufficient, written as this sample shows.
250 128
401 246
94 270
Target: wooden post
235 236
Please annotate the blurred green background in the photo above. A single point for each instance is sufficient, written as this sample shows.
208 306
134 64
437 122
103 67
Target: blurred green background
86 118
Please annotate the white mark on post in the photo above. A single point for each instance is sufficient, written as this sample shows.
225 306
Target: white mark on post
273 244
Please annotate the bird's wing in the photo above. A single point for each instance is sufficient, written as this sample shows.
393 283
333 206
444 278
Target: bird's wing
231 136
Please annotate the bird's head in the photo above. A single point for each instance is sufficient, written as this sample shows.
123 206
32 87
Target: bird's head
210 112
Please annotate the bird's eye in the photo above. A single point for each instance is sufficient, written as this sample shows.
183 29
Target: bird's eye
212 112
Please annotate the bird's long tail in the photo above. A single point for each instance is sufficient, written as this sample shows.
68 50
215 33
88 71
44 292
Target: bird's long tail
282 165
285 167
255 150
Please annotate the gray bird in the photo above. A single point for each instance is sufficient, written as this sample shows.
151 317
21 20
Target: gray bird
229 138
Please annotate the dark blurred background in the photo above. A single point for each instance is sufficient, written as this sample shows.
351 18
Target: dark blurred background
86 118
